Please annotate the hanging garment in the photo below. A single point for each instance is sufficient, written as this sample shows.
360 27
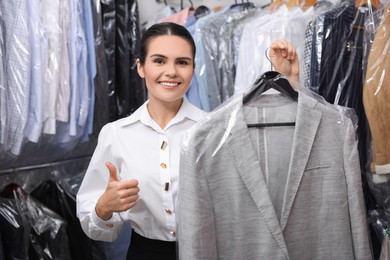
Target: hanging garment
54 197
13 231
38 232
101 109
17 55
272 193
130 92
3 111
376 94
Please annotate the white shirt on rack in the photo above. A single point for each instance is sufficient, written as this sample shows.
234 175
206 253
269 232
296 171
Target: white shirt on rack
140 150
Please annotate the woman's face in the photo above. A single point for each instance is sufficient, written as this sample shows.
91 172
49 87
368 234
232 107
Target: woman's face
168 68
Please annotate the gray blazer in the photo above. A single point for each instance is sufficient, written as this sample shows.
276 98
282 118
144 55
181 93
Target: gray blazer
240 201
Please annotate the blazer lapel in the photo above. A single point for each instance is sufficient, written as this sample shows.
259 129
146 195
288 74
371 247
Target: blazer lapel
241 149
306 126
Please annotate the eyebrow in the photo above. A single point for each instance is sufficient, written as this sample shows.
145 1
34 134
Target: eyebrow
163 56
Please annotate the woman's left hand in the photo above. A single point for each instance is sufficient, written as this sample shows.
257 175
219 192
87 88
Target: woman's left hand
284 59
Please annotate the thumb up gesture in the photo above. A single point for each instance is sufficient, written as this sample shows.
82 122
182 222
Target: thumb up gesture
119 195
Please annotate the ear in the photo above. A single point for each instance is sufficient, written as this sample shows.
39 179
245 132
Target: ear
140 69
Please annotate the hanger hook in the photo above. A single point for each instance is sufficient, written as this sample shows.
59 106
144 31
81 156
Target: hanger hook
268 58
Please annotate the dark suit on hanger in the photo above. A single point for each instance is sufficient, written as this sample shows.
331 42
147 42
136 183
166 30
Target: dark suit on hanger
228 205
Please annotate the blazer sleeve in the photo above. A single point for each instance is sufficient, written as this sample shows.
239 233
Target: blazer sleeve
195 218
357 210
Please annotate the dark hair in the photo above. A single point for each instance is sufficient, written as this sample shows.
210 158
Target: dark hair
161 29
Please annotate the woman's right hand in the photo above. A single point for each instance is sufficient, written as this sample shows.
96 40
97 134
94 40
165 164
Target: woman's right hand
119 195
284 58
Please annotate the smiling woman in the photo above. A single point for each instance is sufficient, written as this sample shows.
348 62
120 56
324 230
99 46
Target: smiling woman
134 172
167 72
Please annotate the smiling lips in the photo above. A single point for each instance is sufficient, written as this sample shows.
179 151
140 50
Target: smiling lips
169 84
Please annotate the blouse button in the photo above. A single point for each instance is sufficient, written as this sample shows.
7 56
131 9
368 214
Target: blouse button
168 211
164 145
163 165
173 233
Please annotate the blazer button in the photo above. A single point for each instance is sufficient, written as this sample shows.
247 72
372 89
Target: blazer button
173 233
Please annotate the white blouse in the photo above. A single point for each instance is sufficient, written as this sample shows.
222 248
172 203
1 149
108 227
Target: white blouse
140 150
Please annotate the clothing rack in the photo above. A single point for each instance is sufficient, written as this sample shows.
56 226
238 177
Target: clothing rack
44 165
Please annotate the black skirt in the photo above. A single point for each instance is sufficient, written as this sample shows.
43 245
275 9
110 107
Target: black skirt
142 248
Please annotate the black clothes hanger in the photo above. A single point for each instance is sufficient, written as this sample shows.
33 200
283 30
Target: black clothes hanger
243 5
201 11
268 80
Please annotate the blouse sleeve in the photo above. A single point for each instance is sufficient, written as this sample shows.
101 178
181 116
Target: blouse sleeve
93 186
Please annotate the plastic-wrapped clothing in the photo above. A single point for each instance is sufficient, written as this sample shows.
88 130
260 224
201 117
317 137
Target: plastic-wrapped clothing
272 193
122 35
376 95
42 229
101 80
341 69
12 231
55 197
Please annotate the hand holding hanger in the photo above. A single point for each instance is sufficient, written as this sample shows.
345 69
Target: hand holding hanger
284 59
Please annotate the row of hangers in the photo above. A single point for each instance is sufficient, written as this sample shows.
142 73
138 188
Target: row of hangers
290 3
307 3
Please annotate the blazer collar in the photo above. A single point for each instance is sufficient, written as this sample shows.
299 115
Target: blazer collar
238 143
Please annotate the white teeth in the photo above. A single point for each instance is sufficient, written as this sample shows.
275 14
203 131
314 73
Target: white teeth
169 84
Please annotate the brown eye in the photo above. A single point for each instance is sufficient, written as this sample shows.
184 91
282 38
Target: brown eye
158 61
182 62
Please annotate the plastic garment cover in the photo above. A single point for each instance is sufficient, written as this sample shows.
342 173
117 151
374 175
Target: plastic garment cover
54 187
101 79
122 35
2 83
272 192
109 28
17 71
379 224
339 58
375 100
338 64
376 93
54 196
25 124
41 232
217 40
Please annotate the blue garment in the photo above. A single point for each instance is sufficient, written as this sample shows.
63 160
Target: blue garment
72 50
201 70
79 104
193 91
82 68
91 65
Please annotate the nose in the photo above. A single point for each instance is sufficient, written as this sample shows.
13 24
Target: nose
171 70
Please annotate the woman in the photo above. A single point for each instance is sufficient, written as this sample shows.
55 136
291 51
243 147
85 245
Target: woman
133 173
